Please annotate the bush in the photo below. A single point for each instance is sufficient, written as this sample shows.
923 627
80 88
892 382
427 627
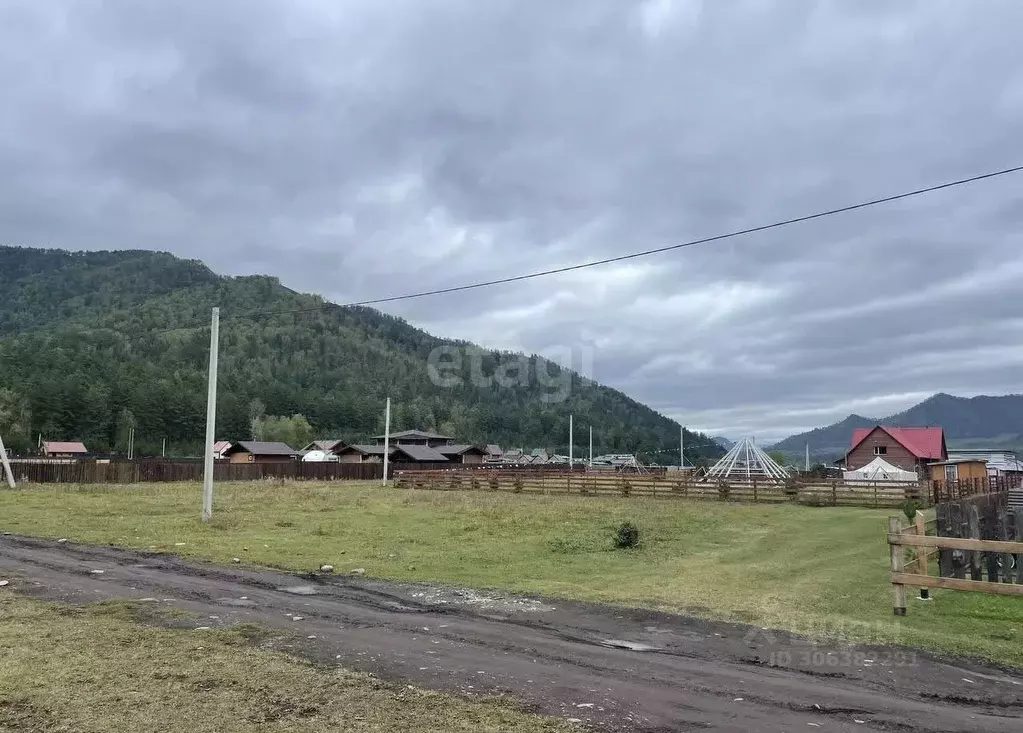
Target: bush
909 508
626 536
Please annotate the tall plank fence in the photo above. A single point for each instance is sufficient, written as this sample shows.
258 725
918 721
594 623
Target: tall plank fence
133 472
82 471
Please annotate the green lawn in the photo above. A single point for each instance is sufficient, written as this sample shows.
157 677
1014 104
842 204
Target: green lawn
821 571
95 669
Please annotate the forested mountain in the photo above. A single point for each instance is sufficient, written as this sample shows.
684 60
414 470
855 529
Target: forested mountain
93 343
983 421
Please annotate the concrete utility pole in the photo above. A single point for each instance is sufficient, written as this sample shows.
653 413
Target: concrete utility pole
387 438
591 446
570 440
163 451
681 449
808 458
131 443
211 418
7 464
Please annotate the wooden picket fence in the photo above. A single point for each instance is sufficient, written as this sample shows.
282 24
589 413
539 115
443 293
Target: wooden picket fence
833 493
994 565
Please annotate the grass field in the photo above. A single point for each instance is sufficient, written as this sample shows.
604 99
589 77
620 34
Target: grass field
820 571
95 669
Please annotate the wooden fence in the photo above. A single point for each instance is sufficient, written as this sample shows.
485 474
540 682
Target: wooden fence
980 537
142 471
834 493
946 491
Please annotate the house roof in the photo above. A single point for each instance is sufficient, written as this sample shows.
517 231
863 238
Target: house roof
221 445
457 450
58 446
262 448
368 450
421 453
956 461
422 434
921 442
324 445
494 450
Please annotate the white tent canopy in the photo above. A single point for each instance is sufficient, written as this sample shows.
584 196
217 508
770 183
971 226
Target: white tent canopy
880 470
318 456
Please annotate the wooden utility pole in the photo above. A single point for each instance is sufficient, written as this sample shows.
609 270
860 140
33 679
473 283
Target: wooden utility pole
211 418
7 464
387 438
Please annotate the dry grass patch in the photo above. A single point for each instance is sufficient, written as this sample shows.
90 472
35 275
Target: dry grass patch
93 669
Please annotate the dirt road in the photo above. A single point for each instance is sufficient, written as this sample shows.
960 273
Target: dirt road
611 668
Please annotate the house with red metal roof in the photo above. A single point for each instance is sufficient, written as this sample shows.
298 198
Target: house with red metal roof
910 449
63 449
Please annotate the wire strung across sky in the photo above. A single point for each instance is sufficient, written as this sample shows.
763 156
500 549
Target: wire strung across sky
596 263
649 252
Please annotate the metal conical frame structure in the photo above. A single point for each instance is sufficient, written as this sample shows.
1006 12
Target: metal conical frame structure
745 462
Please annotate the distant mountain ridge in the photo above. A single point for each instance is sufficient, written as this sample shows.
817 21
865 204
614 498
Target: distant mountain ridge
983 421
724 442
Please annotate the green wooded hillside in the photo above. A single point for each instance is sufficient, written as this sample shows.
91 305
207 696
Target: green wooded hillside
87 350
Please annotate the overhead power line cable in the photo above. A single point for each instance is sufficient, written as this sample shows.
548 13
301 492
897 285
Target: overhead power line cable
605 261
657 250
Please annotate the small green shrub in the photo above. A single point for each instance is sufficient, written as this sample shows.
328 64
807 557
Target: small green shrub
909 508
626 536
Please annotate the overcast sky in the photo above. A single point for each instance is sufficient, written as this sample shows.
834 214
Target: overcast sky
366 148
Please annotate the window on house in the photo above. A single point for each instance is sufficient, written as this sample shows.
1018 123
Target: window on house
880 450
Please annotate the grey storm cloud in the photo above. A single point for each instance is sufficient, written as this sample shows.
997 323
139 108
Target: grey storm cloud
369 148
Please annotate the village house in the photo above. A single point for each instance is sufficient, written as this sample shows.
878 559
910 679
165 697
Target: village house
326 446
414 453
463 453
955 470
999 462
255 451
220 449
360 453
910 449
64 449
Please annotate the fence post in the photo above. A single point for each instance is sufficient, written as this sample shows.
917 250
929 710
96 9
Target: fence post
976 572
898 559
921 558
